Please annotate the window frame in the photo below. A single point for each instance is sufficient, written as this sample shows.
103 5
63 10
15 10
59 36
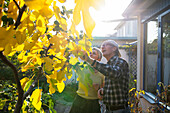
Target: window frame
159 55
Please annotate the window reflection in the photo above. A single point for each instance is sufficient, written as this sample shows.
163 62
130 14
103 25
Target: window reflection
151 47
166 49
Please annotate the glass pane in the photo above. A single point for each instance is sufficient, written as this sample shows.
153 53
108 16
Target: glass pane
166 49
151 46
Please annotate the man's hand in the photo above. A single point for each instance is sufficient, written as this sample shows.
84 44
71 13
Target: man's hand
100 93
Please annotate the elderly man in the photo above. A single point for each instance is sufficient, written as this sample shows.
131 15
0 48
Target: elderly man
116 72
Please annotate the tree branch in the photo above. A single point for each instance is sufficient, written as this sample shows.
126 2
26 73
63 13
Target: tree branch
19 88
46 50
19 16
17 5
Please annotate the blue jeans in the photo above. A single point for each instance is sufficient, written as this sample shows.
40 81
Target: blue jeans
127 110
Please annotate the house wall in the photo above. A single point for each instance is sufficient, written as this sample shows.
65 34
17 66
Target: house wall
98 42
128 29
124 54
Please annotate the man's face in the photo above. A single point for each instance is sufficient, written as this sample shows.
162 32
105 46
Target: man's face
107 49
94 55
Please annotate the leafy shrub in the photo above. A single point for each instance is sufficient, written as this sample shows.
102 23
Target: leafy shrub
8 96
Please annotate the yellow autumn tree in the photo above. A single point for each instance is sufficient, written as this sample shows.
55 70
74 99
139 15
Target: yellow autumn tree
43 48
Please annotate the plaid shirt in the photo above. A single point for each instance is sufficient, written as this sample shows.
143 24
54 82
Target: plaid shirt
116 73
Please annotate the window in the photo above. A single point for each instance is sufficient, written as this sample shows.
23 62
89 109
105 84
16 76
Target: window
166 49
151 47
157 52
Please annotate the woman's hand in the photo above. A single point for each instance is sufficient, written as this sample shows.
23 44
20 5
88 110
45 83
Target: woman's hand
96 86
100 93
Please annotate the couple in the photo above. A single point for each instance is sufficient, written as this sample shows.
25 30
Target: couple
115 91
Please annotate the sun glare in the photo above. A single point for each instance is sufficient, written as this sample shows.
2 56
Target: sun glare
112 9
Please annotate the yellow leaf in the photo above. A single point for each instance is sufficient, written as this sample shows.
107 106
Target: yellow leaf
35 36
20 36
76 14
48 2
24 106
24 16
63 23
84 5
61 1
48 63
76 49
73 60
56 11
97 3
35 98
1 48
48 13
74 31
7 49
85 44
59 65
55 40
61 75
12 10
34 15
54 75
60 86
12 53
20 56
35 4
20 47
30 26
9 107
28 45
51 88
24 81
41 24
21 3
88 22
6 35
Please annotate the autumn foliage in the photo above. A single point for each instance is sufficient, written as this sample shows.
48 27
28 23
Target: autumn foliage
41 47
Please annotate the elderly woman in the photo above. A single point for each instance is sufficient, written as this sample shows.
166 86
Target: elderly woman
88 103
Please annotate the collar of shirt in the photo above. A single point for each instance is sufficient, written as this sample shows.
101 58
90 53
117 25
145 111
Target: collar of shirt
112 59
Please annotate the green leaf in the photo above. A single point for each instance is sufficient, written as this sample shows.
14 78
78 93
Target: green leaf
2 103
4 18
28 84
10 20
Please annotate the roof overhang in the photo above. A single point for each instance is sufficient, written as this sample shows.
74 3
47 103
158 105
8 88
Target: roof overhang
114 38
136 7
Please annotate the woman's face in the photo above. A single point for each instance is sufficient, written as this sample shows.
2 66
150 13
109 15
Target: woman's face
94 55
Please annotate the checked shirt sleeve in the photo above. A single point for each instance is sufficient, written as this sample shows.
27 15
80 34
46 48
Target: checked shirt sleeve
114 68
